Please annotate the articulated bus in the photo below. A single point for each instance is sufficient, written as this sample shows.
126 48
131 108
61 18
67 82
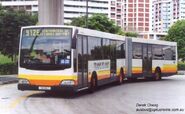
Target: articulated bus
73 58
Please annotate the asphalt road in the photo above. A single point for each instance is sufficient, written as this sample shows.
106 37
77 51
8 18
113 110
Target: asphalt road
165 97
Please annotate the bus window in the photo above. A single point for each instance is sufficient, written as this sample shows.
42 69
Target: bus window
120 50
112 49
168 54
157 52
113 56
106 49
94 48
137 51
173 48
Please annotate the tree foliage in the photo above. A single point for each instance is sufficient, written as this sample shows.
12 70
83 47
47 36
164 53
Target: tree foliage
131 34
11 22
176 33
98 22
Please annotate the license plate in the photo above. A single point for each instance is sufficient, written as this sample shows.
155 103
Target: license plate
44 88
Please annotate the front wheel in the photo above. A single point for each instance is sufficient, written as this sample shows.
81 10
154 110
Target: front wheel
93 84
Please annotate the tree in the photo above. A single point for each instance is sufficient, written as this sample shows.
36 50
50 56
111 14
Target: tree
11 22
98 22
176 33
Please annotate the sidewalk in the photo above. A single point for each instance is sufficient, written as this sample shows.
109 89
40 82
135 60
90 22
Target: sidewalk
7 79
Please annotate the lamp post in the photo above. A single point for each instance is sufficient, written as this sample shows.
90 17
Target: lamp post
86 19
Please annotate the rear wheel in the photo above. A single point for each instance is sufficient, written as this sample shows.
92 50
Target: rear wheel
157 75
121 77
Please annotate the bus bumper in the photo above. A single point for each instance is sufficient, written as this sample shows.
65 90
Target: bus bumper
44 88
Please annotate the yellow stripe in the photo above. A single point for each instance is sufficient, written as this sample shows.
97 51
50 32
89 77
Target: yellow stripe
103 72
47 77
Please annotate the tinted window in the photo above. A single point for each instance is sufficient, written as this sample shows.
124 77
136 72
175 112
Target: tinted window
167 52
94 48
173 48
113 55
137 50
157 52
112 49
120 49
106 49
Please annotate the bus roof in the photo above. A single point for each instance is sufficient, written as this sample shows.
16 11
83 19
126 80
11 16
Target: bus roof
95 33
151 41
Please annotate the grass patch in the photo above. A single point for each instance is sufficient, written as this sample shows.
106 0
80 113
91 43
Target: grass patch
181 65
4 59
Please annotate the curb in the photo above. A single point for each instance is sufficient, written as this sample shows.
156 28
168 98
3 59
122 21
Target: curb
8 82
181 73
8 79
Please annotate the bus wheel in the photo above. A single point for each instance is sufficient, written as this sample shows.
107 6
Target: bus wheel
121 77
93 84
157 75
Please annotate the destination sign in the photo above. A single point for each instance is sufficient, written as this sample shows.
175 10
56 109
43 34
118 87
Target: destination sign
48 32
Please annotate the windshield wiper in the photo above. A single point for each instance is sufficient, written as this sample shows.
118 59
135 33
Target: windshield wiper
32 44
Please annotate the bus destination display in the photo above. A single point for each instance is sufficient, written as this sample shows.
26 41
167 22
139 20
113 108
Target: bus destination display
48 32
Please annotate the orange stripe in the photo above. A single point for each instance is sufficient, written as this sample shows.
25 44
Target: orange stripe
45 82
136 70
100 77
169 70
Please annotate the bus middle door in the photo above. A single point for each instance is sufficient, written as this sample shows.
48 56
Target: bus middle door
82 61
147 60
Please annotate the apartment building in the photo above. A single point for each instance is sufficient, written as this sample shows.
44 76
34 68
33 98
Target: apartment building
72 8
116 12
166 13
136 15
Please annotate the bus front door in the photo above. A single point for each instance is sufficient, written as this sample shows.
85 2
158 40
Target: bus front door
82 61
147 60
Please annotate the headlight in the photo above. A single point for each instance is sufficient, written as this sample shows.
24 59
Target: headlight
67 82
23 81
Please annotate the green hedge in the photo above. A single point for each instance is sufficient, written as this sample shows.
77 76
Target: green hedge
181 66
8 68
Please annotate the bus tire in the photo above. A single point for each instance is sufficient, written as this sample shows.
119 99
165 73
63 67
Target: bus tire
157 74
93 83
121 77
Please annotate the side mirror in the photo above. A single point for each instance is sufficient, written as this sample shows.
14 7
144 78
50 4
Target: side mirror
74 39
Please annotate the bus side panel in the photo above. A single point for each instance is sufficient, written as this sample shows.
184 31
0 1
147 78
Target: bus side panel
100 67
137 69
120 63
155 64
167 67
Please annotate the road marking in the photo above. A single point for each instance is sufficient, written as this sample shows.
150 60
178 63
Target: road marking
17 101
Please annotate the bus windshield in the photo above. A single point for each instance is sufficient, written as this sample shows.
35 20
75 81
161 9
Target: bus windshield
46 48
